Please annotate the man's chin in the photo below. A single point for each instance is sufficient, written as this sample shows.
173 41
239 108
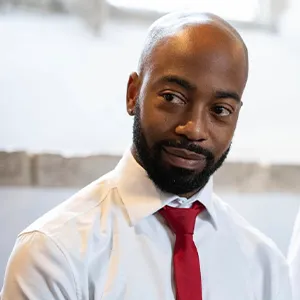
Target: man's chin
177 180
180 187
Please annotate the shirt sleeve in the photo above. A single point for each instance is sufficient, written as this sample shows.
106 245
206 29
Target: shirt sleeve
38 270
294 259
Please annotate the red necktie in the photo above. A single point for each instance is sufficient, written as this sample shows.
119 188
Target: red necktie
185 259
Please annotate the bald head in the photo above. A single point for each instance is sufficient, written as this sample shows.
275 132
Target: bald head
191 25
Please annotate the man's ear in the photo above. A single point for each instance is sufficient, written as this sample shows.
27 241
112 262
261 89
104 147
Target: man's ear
132 93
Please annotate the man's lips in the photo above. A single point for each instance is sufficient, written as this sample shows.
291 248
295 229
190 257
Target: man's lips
183 158
184 153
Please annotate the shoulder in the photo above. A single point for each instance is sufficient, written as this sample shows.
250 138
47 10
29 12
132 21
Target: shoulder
77 223
242 228
255 245
267 265
38 267
56 248
75 209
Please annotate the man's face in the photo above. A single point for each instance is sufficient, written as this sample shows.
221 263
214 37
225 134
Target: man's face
186 110
178 176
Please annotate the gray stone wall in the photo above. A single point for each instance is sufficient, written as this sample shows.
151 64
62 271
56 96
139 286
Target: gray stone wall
15 168
54 170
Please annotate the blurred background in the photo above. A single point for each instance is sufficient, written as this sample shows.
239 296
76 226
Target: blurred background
64 66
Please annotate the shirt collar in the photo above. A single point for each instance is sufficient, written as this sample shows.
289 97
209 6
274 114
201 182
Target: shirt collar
142 198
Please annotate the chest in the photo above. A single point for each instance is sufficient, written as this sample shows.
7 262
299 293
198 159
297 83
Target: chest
139 266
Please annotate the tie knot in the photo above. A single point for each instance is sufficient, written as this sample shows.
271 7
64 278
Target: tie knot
182 220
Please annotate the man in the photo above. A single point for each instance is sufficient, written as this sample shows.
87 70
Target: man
294 259
152 228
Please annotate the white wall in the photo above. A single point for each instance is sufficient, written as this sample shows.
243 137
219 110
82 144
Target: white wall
63 89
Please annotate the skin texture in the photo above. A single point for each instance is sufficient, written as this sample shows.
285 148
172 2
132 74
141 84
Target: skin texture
186 95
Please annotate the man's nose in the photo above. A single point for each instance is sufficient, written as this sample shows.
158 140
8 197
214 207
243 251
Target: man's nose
195 127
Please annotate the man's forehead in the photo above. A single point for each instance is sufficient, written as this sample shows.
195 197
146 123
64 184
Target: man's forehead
173 23
191 48
168 28
190 58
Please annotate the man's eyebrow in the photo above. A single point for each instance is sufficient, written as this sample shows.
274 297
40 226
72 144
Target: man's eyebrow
178 81
228 94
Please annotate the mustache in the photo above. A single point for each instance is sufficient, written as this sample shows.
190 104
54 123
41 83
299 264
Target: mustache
193 147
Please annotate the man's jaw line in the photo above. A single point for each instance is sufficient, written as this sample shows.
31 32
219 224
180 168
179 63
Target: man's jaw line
135 155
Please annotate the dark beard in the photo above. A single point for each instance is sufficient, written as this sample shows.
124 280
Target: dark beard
172 179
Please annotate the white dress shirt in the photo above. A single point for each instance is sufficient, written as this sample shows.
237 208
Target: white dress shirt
294 259
108 242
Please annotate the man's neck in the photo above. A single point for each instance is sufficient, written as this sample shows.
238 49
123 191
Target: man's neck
190 194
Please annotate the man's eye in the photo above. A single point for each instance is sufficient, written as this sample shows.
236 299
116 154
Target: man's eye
169 97
221 111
